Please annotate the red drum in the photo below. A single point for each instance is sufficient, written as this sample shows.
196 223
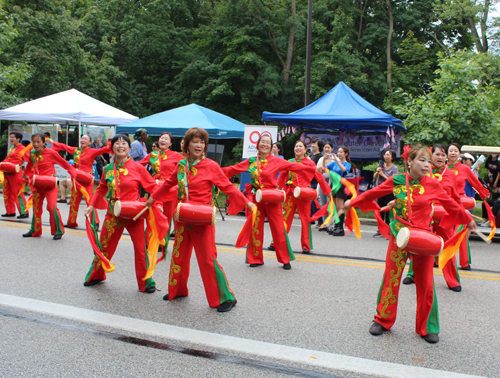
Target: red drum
468 203
420 242
129 209
196 214
438 213
270 196
309 194
44 182
9 167
84 178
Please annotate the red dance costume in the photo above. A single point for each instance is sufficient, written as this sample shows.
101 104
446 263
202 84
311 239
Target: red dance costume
125 188
263 173
42 164
423 192
301 179
463 173
163 163
202 175
13 196
84 160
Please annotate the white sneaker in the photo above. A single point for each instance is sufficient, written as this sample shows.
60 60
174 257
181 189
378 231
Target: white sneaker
485 224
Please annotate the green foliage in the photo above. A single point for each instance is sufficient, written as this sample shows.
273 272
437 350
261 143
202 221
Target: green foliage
462 107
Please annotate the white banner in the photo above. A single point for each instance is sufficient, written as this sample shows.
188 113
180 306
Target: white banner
252 135
361 146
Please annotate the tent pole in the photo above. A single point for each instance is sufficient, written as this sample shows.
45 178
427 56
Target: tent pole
79 131
216 152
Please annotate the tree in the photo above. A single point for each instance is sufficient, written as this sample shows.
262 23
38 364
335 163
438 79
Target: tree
462 107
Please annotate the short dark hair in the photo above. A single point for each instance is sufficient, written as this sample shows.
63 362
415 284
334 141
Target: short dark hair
46 134
192 133
281 150
87 135
117 137
17 135
441 147
320 143
38 135
264 136
393 154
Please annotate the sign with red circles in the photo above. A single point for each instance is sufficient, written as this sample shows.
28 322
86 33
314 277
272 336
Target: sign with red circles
255 136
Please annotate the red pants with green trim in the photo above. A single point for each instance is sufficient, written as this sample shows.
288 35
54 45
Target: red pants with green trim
13 183
111 233
76 198
274 212
38 195
202 238
291 205
427 320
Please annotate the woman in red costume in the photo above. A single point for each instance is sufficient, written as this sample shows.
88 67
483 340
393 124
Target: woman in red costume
263 170
13 195
120 182
163 163
84 159
440 172
41 163
303 206
413 210
195 176
463 173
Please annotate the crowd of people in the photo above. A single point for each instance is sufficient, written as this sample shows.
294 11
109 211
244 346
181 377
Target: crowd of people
428 202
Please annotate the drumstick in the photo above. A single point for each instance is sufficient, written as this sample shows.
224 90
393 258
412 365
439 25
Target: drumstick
385 208
482 236
140 213
477 217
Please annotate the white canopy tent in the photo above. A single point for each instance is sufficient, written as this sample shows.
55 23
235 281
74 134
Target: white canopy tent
70 107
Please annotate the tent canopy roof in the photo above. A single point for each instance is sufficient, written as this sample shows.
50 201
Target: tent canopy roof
341 109
177 121
70 106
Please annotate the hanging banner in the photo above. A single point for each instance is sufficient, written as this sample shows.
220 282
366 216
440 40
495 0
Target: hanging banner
252 135
362 146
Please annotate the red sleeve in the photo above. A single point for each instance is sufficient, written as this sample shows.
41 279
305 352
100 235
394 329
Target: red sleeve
63 163
28 171
238 200
98 201
235 169
476 184
455 213
365 200
325 188
282 179
95 152
63 147
161 194
145 161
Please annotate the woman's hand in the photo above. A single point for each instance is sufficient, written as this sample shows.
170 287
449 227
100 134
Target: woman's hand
50 140
472 226
250 206
88 211
379 169
347 205
320 169
150 201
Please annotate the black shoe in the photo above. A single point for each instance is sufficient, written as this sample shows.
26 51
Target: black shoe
255 265
432 338
287 266
332 230
376 329
226 306
61 201
7 215
377 234
456 288
466 267
408 281
22 216
271 248
436 265
57 237
305 251
313 222
339 232
28 235
91 283
150 290
165 297
323 229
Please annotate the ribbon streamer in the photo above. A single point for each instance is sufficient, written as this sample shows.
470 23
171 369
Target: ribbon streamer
96 244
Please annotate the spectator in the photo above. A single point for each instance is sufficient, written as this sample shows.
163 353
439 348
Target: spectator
468 160
138 150
493 167
99 163
385 170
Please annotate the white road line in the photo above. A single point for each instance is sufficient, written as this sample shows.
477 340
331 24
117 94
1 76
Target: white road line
257 348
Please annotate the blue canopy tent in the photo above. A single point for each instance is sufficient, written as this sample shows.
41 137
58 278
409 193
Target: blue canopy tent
341 109
177 121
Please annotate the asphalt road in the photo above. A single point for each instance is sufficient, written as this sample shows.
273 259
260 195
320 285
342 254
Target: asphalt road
310 321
